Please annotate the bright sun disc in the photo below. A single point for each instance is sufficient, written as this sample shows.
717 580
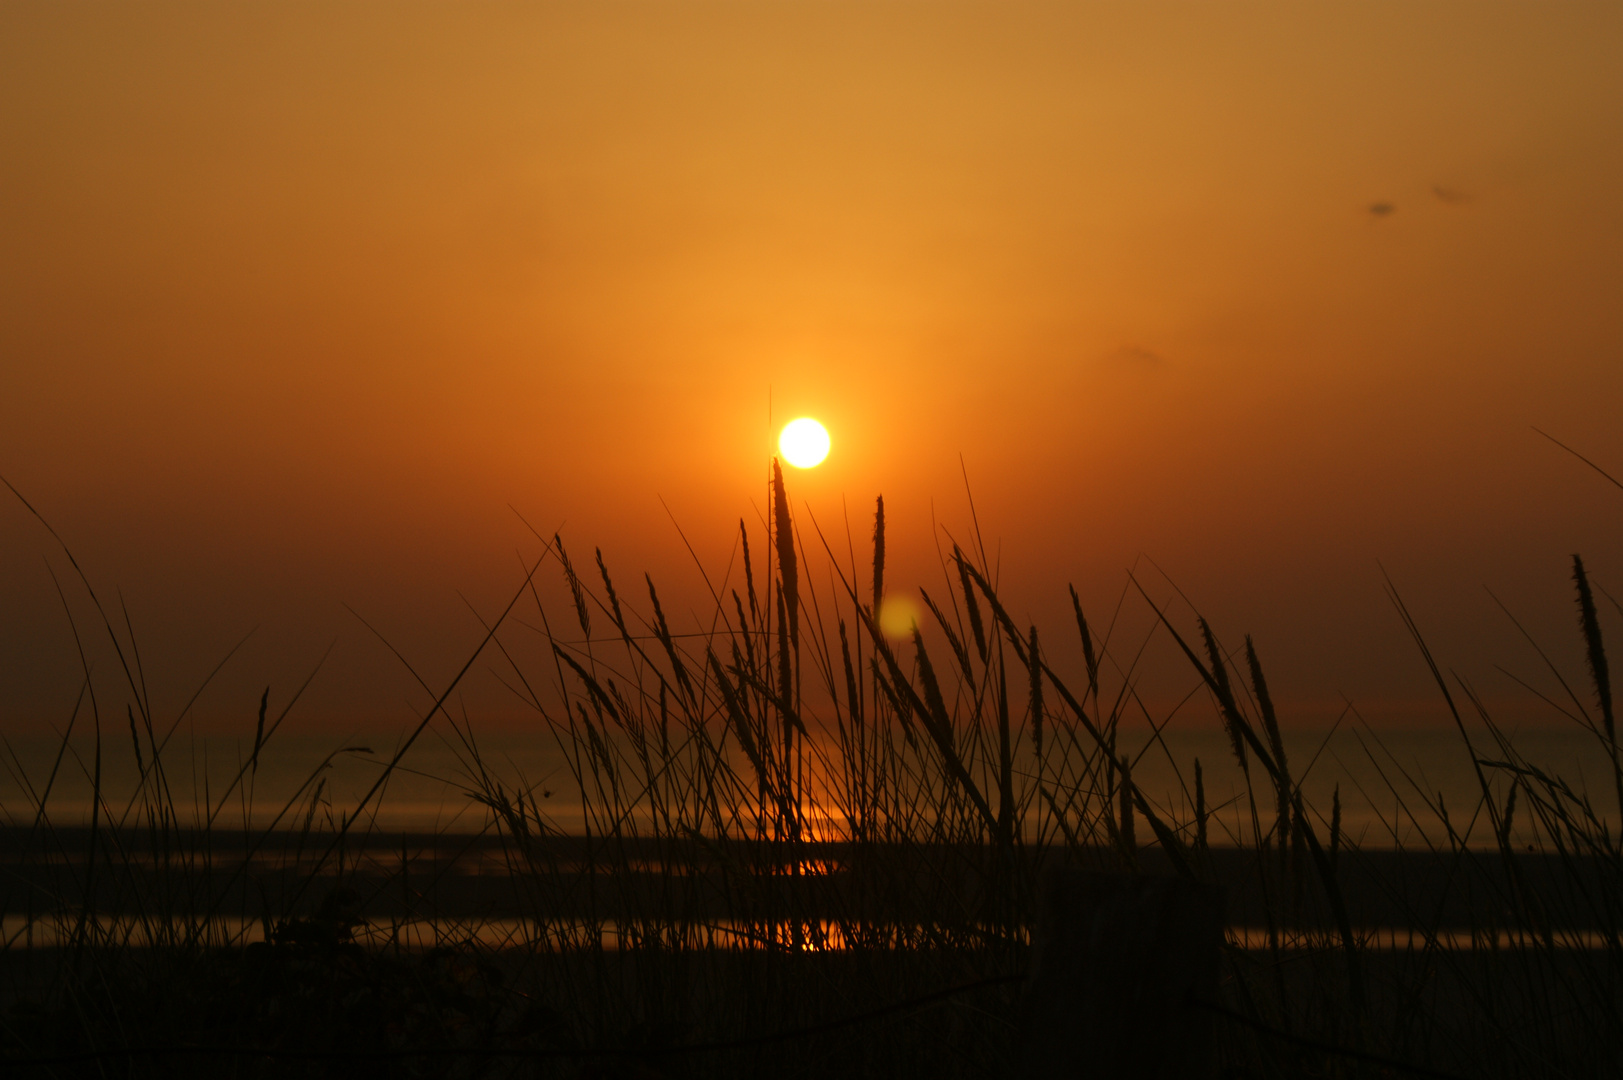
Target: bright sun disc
804 443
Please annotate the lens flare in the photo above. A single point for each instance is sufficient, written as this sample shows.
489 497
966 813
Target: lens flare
804 443
898 615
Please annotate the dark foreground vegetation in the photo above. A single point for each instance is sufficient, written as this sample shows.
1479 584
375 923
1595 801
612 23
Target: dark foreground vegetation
808 849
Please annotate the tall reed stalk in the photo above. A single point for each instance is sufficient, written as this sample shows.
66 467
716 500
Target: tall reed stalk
785 814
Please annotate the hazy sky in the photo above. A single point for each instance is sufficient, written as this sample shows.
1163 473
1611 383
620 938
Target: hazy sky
298 303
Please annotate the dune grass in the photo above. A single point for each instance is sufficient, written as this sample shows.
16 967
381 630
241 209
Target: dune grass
793 831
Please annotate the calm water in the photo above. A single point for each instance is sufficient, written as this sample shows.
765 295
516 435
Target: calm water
502 933
432 790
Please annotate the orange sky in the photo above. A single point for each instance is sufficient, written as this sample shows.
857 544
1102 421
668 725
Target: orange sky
296 300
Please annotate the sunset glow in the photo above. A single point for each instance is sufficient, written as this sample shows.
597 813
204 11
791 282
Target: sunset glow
300 305
524 526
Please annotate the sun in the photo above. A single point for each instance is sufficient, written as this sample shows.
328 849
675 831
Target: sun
804 443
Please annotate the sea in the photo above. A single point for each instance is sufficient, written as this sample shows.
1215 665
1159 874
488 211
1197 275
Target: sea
1394 786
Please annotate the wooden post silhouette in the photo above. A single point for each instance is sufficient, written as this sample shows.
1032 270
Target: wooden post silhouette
1118 959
